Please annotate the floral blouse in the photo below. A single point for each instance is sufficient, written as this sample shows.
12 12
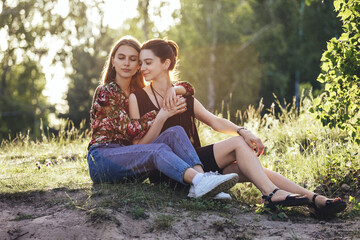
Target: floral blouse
109 119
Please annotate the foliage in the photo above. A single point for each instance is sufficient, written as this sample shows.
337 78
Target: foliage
138 213
241 51
163 222
87 59
22 104
340 104
340 171
141 27
290 48
304 143
87 62
21 81
277 214
29 29
300 148
355 209
216 55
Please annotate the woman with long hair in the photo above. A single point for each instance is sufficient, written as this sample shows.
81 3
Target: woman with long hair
234 155
111 155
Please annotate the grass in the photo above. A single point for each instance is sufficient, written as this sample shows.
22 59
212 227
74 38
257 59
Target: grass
23 216
163 222
21 158
297 146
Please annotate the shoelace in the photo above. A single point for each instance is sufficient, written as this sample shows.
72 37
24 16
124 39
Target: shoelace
212 173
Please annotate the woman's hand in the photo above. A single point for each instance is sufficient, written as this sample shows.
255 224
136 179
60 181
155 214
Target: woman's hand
170 99
254 142
180 107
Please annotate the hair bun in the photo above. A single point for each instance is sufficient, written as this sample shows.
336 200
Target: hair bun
173 46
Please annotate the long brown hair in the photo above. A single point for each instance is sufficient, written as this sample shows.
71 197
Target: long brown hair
108 73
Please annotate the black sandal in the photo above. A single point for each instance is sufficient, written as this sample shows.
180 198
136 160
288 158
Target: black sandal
332 206
291 200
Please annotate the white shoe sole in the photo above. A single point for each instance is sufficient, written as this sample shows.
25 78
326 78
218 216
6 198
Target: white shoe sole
222 187
223 197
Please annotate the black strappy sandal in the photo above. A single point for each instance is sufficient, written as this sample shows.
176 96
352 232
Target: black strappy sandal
332 206
291 200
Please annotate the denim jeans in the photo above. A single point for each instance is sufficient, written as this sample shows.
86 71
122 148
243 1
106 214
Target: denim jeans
171 153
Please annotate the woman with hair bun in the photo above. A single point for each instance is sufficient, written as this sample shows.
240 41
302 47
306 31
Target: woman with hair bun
238 154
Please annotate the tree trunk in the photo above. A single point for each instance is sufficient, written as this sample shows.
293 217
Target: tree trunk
143 6
3 78
212 27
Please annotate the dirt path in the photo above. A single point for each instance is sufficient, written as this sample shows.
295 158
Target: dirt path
52 216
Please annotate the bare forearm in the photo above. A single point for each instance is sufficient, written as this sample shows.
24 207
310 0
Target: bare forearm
224 126
153 133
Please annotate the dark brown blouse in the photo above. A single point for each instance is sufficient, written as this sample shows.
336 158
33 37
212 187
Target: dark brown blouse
186 119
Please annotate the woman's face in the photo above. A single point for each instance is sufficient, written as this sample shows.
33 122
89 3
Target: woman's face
151 65
125 61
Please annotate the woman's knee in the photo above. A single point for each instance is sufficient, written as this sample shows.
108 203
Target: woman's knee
237 142
92 160
175 130
160 148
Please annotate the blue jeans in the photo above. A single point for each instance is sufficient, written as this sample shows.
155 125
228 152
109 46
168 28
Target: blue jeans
171 153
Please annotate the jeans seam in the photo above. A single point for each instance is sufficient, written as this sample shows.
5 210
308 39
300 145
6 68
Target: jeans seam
186 150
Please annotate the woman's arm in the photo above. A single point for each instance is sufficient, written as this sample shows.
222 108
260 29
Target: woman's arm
226 126
180 88
184 88
110 121
159 121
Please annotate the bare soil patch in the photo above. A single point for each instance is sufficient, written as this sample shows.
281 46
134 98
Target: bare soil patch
52 215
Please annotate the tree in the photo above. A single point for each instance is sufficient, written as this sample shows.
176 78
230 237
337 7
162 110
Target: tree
87 62
251 49
289 51
216 54
24 26
30 27
339 106
142 27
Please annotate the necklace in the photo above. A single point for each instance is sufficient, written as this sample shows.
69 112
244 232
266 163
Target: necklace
154 91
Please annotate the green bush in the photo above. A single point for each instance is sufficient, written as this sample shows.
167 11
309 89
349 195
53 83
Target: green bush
340 104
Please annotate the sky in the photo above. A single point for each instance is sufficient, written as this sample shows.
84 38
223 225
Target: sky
116 11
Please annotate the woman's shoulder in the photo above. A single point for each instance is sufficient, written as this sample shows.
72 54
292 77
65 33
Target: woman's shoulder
140 93
108 87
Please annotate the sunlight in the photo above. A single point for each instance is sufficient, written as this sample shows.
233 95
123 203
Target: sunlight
116 12
4 36
56 87
61 8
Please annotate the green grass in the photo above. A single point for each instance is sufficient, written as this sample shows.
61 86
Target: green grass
68 169
300 148
23 216
163 222
297 146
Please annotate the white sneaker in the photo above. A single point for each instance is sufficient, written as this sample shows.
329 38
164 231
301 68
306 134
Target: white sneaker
223 196
219 196
213 183
191 192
